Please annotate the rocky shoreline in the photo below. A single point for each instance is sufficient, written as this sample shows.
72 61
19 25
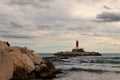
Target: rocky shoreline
77 52
21 63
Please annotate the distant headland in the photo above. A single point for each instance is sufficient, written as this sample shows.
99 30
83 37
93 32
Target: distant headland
77 52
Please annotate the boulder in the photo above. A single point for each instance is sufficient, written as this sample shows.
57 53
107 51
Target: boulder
36 59
20 63
13 63
46 70
6 65
21 60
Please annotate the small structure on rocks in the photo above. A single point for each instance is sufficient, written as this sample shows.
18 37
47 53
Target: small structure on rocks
21 63
77 52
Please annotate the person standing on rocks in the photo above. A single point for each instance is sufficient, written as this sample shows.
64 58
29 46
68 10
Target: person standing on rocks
7 43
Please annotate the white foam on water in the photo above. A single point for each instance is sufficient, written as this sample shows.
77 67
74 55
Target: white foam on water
104 67
89 76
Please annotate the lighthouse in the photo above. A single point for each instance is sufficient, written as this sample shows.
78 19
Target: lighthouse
77 44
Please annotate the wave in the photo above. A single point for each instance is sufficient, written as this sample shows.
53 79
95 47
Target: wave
92 59
92 66
92 70
96 68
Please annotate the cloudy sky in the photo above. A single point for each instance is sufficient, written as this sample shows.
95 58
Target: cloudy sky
54 25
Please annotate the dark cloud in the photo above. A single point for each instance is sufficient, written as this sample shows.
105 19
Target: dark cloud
15 36
43 27
106 7
5 31
12 27
36 3
108 17
15 25
86 28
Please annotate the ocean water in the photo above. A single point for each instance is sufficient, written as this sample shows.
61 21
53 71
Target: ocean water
46 54
105 67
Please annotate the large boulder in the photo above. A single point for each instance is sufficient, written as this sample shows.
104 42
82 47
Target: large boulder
46 70
13 63
21 60
36 59
19 63
6 64
22 64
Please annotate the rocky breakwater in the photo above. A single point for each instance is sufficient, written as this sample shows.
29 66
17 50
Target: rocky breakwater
77 52
20 63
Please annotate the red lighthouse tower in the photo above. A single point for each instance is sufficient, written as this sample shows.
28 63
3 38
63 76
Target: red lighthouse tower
77 44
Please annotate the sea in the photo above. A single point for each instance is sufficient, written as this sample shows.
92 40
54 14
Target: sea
105 67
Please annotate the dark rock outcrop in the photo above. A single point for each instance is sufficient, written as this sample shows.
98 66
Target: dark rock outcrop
77 52
46 70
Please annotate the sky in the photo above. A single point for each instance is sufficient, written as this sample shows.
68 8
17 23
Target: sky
49 26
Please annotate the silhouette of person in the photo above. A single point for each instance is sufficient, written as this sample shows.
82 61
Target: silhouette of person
8 44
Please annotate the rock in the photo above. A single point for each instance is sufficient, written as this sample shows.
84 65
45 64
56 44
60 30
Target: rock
13 63
6 65
36 59
37 68
76 52
20 63
21 60
50 66
20 74
43 68
46 70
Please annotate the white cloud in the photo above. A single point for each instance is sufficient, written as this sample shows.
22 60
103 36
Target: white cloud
59 23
